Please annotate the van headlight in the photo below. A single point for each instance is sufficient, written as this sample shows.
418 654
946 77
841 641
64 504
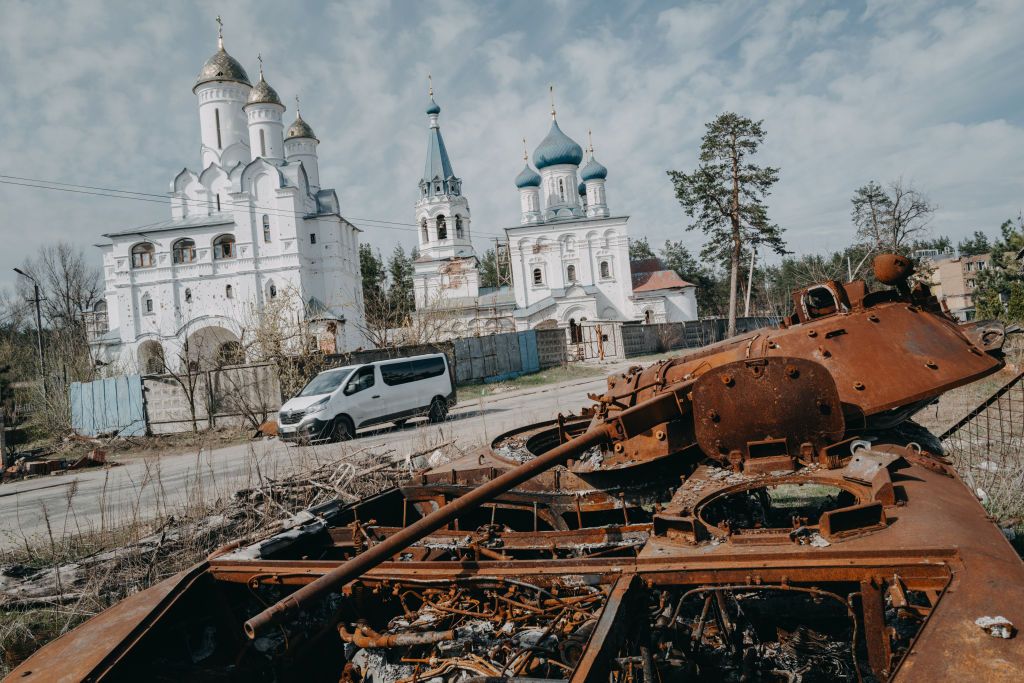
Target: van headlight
316 407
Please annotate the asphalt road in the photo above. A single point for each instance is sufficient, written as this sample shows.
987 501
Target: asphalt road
142 487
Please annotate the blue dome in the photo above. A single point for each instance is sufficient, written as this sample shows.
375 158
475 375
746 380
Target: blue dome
433 108
593 170
582 189
527 178
557 148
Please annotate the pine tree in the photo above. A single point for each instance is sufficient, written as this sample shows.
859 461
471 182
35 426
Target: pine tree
725 196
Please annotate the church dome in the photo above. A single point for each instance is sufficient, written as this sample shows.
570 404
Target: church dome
557 148
527 178
433 107
593 170
221 67
299 129
262 93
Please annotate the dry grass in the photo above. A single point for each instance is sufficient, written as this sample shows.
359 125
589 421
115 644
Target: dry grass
51 583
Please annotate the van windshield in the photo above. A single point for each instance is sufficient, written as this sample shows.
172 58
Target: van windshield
325 382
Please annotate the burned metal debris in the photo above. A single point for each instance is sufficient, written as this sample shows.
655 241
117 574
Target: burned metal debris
752 511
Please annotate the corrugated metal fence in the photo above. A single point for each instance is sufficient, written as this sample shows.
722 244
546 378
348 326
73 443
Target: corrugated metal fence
108 406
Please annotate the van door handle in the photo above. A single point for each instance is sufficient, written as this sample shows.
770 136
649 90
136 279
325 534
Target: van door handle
375 396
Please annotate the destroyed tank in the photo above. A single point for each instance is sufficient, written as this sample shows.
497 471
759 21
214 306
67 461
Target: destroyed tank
760 509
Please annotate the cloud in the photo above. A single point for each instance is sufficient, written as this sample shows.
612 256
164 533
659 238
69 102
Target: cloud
99 93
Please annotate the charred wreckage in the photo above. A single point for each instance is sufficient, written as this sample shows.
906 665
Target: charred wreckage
761 509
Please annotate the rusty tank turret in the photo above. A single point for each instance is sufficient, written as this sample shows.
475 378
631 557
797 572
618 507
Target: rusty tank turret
757 509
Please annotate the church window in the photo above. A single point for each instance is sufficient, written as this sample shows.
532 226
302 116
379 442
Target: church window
442 228
147 303
647 316
218 201
266 228
142 255
538 276
458 226
423 229
312 238
561 189
188 295
263 144
229 292
437 187
272 291
570 273
100 320
605 269
216 121
224 247
183 251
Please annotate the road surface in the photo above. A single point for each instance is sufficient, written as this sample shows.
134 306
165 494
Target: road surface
143 487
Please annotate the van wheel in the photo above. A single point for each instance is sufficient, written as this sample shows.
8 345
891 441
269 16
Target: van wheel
438 410
343 430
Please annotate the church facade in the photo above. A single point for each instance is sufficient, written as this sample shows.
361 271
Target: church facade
568 255
253 230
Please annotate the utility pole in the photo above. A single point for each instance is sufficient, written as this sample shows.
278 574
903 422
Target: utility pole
750 281
39 328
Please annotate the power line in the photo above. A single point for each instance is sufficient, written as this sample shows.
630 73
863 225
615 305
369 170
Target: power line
113 193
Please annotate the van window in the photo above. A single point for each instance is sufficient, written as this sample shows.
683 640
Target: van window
361 379
324 383
412 370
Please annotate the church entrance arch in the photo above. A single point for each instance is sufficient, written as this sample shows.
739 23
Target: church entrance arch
211 347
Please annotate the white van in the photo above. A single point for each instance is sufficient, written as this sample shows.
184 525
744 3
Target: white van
339 401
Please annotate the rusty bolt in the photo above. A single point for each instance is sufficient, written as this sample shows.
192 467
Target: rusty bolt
713 415
792 372
727 380
873 318
660 435
812 333
859 386
931 364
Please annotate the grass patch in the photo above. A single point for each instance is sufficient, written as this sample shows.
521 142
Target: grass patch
555 375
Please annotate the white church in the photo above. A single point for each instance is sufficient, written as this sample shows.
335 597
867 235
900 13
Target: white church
252 230
569 255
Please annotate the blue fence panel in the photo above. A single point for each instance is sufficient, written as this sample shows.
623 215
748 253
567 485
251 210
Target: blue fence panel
108 406
528 355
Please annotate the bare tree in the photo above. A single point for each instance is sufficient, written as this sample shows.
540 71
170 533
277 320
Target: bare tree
890 218
70 286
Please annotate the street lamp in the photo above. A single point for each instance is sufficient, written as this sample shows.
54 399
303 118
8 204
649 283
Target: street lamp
39 327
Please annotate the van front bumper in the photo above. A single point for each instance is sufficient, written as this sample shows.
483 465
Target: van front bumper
306 431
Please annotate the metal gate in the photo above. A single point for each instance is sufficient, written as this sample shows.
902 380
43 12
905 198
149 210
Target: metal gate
592 341
108 406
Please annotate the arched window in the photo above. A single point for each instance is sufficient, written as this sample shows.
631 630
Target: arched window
218 201
538 276
142 255
561 189
147 304
606 270
272 290
423 228
442 228
216 122
570 273
647 316
266 228
188 295
437 187
229 292
263 144
458 226
184 251
224 247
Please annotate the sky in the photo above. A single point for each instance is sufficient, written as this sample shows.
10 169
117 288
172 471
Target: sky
99 93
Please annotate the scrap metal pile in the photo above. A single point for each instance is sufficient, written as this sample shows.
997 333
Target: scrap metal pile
761 509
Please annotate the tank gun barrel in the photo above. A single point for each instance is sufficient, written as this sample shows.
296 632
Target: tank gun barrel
623 425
